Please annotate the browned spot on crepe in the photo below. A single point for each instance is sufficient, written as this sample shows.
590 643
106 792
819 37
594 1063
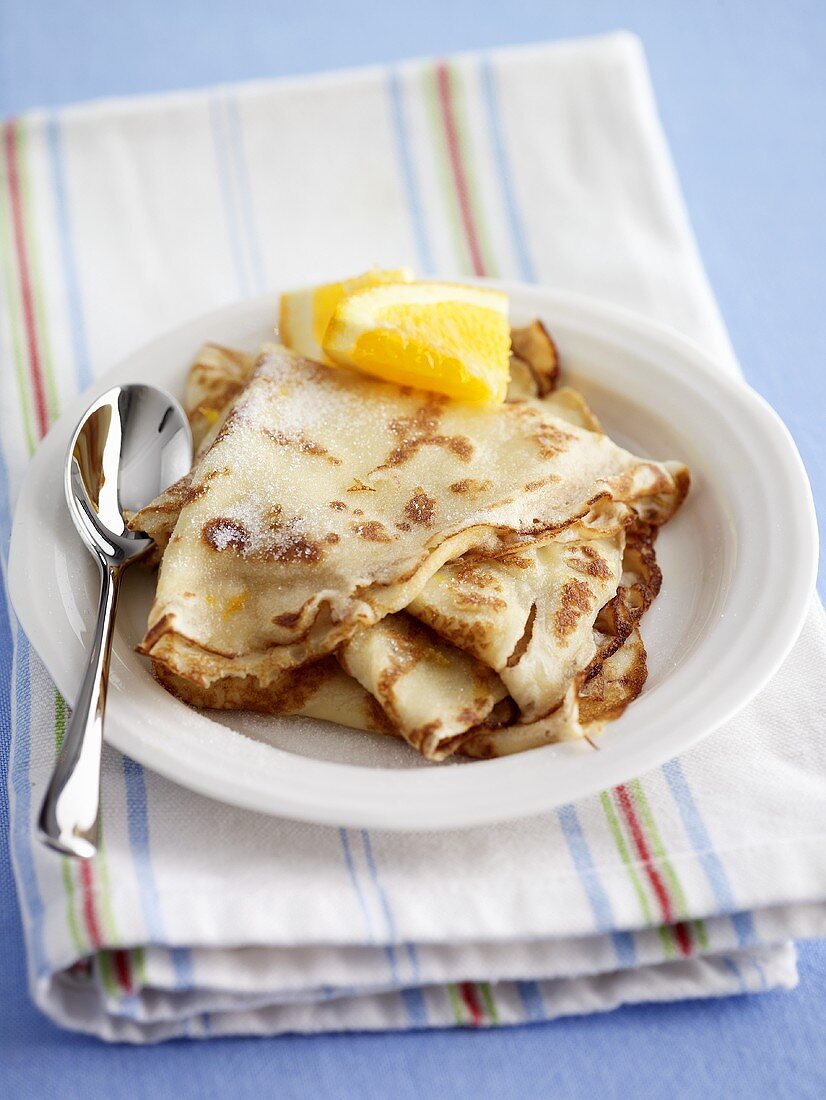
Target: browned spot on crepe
301 443
226 534
549 438
295 548
372 531
479 599
478 576
420 508
470 485
549 480
518 561
276 542
585 559
575 600
420 430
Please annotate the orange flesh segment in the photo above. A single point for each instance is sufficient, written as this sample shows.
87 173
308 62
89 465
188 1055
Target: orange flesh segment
451 339
397 354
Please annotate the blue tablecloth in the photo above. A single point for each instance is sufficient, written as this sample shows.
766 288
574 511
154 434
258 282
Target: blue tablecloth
742 90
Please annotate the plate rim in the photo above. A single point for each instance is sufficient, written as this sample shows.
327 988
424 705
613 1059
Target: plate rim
289 804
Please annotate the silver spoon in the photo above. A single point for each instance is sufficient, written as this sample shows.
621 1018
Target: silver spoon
133 443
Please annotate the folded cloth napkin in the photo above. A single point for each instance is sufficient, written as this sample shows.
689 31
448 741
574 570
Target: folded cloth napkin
544 164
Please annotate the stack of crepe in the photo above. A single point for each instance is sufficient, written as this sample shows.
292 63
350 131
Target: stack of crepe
469 578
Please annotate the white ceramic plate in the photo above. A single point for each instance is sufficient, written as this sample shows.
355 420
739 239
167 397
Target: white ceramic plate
739 564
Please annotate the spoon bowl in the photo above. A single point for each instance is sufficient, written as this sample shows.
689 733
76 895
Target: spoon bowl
131 444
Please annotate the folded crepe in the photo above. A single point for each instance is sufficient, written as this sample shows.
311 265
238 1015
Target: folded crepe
328 499
529 615
323 502
218 374
425 679
583 712
318 690
600 690
431 691
214 381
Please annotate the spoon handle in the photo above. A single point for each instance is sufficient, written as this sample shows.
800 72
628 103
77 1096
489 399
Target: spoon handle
68 819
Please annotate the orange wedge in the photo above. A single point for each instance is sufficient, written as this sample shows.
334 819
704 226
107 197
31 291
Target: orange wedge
445 337
304 314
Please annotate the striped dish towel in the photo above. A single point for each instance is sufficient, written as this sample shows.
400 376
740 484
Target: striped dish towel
544 164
